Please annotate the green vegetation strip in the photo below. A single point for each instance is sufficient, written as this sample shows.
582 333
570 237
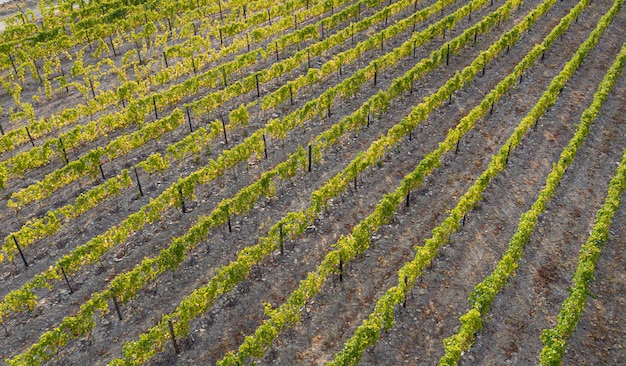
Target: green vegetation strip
555 340
127 285
383 315
483 295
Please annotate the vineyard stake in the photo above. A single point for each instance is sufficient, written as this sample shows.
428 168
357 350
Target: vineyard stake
484 63
244 11
13 64
156 113
219 3
67 90
508 151
340 270
195 32
448 55
169 24
264 146
182 200
230 228
193 64
444 34
475 35
37 71
29 136
464 220
117 306
277 59
224 129
67 161
491 110
308 58
521 76
406 292
291 92
457 146
112 46
450 99
469 19
189 119
280 234
355 175
169 323
20 250
165 59
375 73
352 32
221 39
66 280
93 93
414 48
368 119
382 35
408 197
248 41
310 153
258 91
138 182
269 16
102 171
1 129
340 59
139 55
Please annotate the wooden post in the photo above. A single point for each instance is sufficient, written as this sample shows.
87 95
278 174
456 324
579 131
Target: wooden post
13 64
340 270
224 129
230 228
310 154
93 93
138 182
265 146
448 55
375 73
20 250
32 142
66 280
169 323
189 119
117 306
102 172
165 58
508 151
112 46
258 91
156 113
182 200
